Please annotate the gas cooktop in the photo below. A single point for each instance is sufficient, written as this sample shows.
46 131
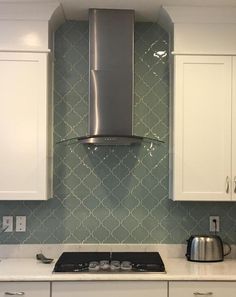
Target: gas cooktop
106 262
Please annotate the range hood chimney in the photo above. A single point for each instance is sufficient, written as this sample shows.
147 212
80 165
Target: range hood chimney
111 70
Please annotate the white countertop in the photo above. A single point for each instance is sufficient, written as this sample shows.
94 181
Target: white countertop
18 263
29 269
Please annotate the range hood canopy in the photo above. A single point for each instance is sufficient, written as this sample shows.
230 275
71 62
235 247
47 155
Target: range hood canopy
111 70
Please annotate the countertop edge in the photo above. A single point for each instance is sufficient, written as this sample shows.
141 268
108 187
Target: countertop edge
87 279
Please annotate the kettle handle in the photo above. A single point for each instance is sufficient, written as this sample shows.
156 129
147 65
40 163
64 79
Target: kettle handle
229 248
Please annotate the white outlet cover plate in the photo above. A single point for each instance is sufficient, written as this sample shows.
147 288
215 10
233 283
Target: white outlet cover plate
20 223
7 223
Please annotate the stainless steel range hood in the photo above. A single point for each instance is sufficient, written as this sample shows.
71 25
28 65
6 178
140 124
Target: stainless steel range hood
111 69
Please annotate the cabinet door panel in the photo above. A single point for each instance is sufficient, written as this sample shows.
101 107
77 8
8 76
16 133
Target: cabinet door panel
202 128
202 289
108 289
25 289
23 126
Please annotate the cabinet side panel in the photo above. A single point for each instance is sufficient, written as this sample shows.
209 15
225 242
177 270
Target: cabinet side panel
234 129
171 127
50 121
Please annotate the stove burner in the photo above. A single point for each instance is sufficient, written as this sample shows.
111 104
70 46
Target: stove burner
94 266
104 265
115 265
126 265
109 262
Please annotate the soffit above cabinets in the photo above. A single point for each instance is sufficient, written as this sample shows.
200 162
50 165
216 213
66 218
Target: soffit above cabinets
145 10
30 10
200 14
29 26
200 30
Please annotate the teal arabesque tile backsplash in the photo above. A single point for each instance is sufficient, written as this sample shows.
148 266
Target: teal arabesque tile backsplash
113 194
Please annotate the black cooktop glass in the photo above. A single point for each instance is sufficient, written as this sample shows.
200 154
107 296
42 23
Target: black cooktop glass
106 262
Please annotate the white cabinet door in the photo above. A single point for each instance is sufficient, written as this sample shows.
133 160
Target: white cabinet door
202 128
25 153
25 289
202 289
109 288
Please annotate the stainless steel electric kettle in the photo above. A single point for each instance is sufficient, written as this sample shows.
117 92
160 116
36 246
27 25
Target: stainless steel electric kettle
206 248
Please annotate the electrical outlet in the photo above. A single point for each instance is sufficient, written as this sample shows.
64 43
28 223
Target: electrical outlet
20 223
7 223
214 224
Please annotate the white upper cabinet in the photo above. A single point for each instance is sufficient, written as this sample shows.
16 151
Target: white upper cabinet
203 102
26 100
202 128
26 127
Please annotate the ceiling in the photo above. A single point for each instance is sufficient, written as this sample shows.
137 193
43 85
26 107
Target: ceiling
146 10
